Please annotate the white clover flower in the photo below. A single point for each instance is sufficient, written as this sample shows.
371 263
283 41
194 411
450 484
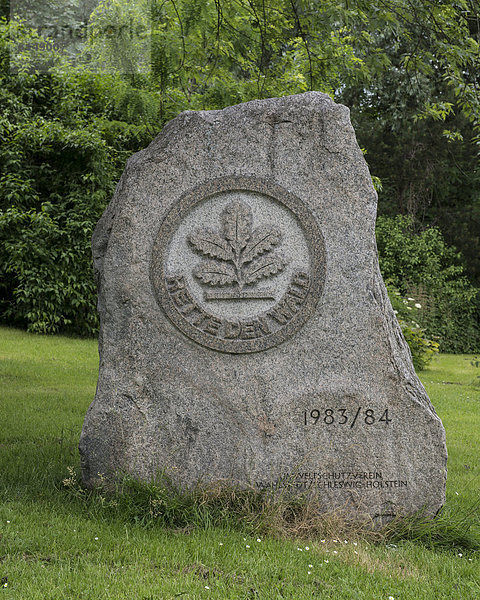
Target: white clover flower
96 538
460 554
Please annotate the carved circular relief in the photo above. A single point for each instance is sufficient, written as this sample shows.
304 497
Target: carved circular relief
238 264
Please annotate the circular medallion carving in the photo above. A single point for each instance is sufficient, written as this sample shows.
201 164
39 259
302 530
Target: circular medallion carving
238 264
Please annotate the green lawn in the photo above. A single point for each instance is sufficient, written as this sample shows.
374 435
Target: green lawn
56 546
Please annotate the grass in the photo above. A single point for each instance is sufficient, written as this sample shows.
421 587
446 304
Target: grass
56 542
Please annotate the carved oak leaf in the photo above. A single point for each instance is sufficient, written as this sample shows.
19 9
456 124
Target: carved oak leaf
263 240
215 273
264 267
237 224
212 244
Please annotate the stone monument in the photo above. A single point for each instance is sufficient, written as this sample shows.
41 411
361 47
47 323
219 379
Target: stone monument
246 333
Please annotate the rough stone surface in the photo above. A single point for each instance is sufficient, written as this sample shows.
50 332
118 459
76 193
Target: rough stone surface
246 333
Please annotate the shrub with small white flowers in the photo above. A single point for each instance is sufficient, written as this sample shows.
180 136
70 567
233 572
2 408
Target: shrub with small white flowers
422 260
407 311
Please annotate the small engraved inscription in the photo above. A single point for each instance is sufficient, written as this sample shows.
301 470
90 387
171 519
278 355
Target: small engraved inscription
238 329
333 480
342 416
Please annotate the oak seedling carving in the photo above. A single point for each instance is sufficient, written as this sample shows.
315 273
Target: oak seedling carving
239 256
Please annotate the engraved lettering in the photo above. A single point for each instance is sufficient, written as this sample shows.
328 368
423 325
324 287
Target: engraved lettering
176 282
301 279
284 310
296 293
261 326
248 330
182 298
199 317
188 308
299 285
281 312
212 325
232 330
343 416
293 301
342 480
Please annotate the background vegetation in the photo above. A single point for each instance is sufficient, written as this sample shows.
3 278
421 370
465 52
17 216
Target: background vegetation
409 71
58 541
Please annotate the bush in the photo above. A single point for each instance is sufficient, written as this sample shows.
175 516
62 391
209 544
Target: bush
407 309
412 262
65 137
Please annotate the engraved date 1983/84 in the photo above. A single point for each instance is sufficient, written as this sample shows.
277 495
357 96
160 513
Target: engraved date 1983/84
342 416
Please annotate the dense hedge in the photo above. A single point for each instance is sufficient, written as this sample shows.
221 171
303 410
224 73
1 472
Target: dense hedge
420 266
64 141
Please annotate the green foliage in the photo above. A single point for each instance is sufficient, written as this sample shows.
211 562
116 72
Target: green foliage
46 261
65 137
416 110
422 262
119 36
407 311
422 349
449 529
475 362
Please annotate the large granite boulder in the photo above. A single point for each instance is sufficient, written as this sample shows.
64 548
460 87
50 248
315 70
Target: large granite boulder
246 333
